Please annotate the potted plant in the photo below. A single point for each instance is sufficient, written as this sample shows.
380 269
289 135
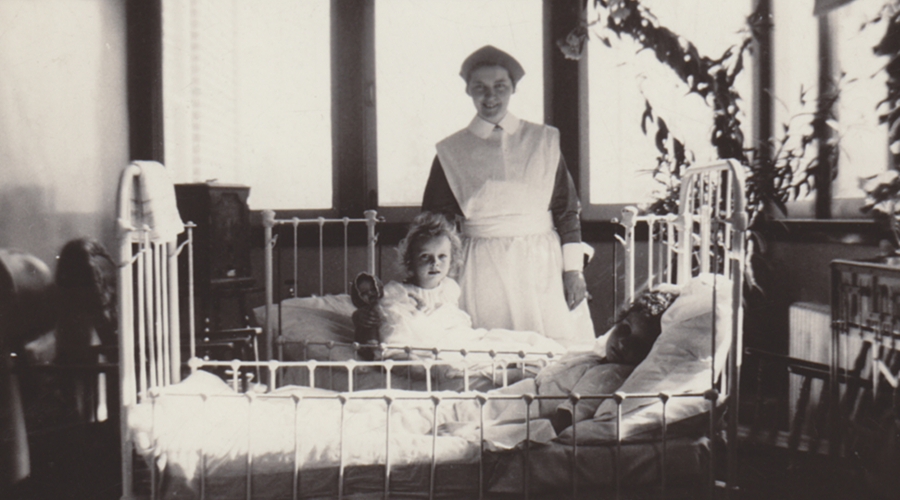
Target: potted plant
883 190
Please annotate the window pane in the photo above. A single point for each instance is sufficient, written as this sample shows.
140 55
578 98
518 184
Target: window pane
622 77
421 97
864 143
248 97
795 42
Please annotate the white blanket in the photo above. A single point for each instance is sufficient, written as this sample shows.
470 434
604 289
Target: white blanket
203 420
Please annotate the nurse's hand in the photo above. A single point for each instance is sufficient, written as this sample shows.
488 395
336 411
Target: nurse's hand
575 288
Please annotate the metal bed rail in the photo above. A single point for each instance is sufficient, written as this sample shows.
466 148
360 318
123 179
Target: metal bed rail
482 399
272 323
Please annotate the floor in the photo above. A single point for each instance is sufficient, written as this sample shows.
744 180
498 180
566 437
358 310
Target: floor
81 461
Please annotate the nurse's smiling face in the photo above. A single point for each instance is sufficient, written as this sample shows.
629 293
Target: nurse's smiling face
490 88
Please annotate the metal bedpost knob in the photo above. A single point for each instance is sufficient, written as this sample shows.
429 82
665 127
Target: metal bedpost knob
629 216
268 218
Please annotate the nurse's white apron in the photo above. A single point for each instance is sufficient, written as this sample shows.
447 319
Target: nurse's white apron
511 275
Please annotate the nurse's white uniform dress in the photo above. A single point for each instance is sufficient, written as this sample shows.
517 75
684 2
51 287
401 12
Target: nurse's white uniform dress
503 180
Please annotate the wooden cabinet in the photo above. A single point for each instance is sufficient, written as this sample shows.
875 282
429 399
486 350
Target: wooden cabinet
222 275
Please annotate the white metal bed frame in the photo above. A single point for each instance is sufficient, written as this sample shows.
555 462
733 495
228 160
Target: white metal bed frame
707 236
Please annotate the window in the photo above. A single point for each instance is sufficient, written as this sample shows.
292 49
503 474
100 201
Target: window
247 97
864 143
846 49
622 77
796 81
420 96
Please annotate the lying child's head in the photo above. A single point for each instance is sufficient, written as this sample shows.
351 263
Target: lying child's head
430 250
631 338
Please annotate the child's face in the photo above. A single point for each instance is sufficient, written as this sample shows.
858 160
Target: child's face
432 262
367 291
631 339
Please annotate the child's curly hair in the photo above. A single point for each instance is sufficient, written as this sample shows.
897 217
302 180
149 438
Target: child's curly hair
652 302
426 226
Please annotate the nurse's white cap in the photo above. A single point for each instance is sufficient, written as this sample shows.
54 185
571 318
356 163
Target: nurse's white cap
492 56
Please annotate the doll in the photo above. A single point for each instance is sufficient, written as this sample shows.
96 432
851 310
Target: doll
366 294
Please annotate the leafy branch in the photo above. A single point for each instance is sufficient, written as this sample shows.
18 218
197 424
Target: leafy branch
776 173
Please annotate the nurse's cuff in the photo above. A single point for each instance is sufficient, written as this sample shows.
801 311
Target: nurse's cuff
573 256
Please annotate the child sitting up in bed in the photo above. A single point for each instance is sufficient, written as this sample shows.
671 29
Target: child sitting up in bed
423 310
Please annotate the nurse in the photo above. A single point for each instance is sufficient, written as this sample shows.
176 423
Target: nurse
507 181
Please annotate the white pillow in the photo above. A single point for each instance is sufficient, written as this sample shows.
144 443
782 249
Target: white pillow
315 319
679 362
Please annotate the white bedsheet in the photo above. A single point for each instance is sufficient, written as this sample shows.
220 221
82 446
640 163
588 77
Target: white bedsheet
187 434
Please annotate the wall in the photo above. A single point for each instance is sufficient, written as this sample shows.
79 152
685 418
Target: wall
63 121
793 270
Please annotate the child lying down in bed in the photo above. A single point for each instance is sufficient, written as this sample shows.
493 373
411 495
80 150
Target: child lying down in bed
423 311
603 370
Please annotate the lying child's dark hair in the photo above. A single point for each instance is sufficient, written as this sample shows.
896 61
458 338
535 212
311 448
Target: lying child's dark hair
633 335
426 226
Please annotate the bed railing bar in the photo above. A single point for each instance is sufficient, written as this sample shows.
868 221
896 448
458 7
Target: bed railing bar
712 367
615 267
435 401
712 396
174 314
273 366
670 237
737 337
617 469
705 264
192 328
149 310
387 445
664 397
161 314
268 218
153 320
629 215
343 400
128 394
166 314
346 258
651 268
528 399
249 397
330 346
321 256
350 372
296 284
482 399
573 465
316 220
154 493
371 237
295 489
141 334
204 412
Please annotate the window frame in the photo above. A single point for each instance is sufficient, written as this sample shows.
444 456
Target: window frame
353 107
